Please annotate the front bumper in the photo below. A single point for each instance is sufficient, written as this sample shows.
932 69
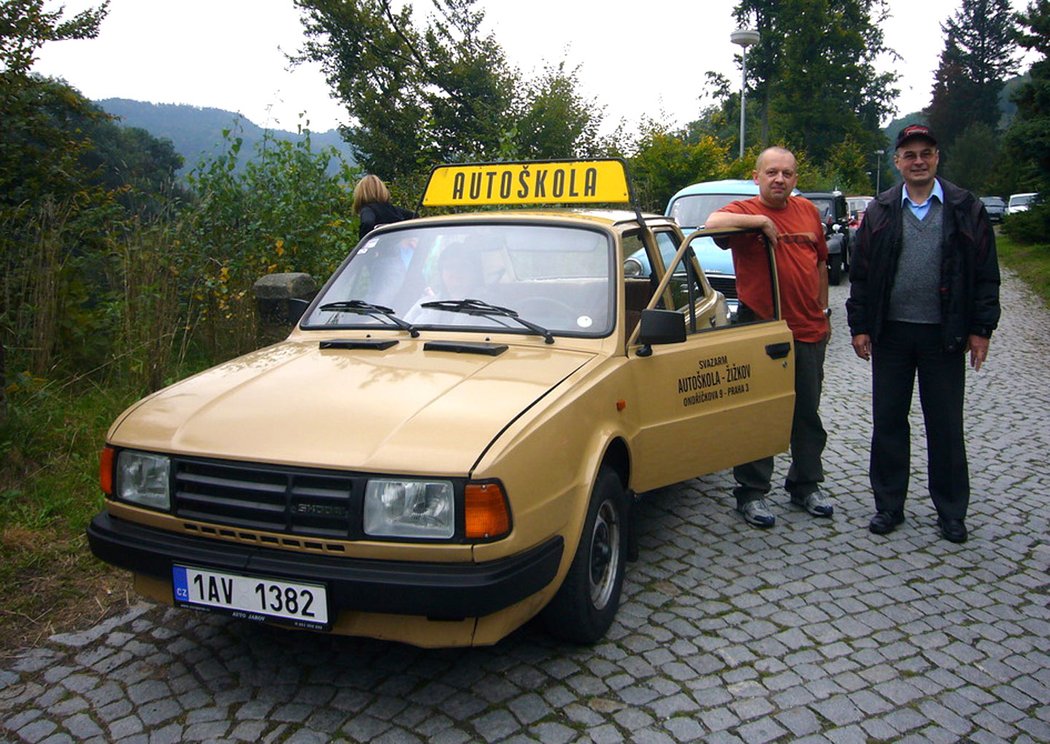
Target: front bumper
437 591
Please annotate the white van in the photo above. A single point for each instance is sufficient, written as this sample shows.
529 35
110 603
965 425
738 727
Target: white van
1019 203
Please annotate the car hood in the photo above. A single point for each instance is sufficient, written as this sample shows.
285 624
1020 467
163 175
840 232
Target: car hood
404 409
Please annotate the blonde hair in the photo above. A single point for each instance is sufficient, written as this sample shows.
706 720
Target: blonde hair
369 190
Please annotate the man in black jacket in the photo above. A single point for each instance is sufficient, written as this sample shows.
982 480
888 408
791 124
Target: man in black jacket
924 290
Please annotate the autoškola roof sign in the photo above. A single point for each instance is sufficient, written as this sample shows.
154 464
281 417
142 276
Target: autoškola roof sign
535 182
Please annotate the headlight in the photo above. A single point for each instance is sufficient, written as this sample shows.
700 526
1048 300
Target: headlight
410 508
143 479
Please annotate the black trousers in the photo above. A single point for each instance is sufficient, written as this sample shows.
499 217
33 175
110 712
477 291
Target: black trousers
808 438
903 350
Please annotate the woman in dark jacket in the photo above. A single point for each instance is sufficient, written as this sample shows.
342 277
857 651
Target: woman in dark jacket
372 203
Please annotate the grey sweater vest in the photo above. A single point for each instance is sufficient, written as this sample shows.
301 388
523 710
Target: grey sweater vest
916 297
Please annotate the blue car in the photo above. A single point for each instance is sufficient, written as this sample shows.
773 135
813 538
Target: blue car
690 208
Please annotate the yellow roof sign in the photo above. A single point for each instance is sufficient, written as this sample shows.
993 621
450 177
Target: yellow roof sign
536 182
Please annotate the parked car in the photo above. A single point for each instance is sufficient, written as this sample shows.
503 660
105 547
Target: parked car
1020 203
995 206
834 214
690 208
856 206
452 438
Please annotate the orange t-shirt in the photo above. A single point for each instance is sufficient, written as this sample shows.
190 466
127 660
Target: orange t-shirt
799 251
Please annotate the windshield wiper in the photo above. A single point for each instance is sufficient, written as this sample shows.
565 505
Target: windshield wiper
484 309
367 308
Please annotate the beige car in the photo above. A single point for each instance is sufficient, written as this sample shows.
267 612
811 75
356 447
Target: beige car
452 439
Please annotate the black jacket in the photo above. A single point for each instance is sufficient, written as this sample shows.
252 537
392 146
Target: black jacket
375 214
969 267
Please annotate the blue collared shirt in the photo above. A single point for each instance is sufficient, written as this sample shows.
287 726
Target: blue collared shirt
920 210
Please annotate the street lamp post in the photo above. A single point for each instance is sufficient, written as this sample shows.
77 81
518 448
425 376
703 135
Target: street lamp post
878 170
745 37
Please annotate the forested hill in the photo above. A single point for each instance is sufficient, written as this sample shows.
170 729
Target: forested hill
197 132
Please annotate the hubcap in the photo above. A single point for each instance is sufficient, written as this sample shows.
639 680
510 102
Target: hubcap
605 554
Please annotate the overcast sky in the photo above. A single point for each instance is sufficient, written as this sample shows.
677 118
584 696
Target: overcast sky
229 54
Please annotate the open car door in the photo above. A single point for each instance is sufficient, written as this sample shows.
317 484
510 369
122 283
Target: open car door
720 396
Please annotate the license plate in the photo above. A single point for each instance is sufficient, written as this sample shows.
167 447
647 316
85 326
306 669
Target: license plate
252 597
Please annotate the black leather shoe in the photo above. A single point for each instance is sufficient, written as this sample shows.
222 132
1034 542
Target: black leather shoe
883 523
952 530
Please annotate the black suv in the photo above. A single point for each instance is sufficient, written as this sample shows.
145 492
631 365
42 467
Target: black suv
835 215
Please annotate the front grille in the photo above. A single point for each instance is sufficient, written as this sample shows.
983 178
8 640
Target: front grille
258 497
724 284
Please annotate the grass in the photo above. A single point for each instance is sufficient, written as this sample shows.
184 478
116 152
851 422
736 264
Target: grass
1029 261
49 444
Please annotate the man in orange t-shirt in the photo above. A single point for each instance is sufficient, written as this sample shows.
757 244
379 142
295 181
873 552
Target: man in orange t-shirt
792 225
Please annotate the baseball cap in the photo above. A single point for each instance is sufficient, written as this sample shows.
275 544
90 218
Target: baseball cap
915 130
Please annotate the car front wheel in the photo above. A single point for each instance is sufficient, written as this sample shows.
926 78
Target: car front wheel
586 604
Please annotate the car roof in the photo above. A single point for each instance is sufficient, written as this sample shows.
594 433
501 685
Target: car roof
736 186
822 194
599 217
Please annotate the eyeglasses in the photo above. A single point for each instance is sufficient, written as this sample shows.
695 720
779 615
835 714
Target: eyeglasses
909 156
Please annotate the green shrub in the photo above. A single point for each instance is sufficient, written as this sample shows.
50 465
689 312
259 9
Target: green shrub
1031 226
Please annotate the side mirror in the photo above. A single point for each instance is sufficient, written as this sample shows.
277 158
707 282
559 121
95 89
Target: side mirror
660 327
632 268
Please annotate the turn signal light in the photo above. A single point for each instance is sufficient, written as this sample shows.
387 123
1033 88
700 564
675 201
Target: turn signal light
105 470
486 511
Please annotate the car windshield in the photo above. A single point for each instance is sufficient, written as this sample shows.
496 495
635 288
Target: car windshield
993 201
1021 200
517 278
692 211
824 206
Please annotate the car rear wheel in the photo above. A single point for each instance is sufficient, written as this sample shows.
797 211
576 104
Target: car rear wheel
586 604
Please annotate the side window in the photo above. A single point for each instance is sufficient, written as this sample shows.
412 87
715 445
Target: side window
690 294
748 290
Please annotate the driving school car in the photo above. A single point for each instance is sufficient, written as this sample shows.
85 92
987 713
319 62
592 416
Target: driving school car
453 438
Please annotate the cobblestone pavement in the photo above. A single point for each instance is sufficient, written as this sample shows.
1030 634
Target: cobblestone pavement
816 630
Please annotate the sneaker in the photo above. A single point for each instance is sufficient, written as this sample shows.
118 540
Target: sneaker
756 513
815 503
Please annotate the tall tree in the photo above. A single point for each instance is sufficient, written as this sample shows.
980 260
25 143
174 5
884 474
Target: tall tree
552 120
978 55
415 96
1027 141
813 71
35 150
973 158
25 27
440 93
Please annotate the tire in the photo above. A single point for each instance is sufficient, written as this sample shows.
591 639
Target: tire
586 603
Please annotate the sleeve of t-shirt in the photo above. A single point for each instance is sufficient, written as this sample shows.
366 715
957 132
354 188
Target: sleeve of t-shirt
740 242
